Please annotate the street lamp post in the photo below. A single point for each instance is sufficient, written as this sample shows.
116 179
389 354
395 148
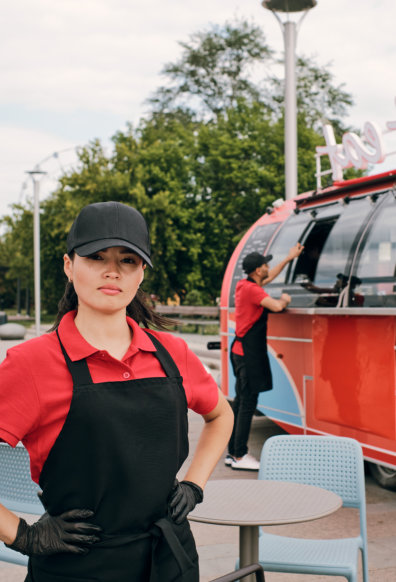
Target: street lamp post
289 30
36 175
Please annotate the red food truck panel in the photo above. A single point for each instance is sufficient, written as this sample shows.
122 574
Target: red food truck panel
354 371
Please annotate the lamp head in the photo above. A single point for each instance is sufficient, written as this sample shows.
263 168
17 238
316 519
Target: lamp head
289 5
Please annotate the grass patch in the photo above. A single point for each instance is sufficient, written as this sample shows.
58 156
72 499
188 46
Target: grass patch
28 321
198 329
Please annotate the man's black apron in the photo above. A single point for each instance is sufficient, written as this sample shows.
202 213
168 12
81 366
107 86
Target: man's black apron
118 454
254 344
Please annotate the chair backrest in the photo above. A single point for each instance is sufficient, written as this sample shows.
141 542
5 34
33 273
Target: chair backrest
333 463
330 462
17 491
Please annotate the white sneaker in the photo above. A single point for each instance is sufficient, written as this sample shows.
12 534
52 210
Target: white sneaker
229 460
246 463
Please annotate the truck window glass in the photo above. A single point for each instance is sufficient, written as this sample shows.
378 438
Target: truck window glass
257 241
376 264
330 245
300 227
290 233
337 253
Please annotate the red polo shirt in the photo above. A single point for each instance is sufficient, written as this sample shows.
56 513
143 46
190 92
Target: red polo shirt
248 296
36 386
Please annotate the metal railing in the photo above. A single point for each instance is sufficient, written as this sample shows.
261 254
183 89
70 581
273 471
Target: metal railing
241 573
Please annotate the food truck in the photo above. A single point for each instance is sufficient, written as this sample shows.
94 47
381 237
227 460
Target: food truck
332 351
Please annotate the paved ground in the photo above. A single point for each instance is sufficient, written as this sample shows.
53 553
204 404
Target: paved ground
218 545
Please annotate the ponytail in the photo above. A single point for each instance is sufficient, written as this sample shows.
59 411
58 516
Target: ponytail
69 302
141 310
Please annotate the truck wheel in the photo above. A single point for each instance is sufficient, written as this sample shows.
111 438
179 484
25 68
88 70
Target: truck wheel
385 476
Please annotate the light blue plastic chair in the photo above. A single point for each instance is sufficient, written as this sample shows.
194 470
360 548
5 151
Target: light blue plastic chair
333 463
17 492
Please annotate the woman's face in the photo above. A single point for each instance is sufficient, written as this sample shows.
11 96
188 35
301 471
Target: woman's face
106 281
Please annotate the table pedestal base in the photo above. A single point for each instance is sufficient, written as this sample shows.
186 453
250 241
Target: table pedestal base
248 548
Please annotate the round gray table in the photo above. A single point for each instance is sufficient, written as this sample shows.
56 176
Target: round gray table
249 503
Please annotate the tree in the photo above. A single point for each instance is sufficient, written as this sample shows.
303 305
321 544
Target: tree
16 247
221 65
215 70
240 172
318 98
167 146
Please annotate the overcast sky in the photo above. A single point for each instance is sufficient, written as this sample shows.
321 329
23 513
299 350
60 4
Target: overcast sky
74 70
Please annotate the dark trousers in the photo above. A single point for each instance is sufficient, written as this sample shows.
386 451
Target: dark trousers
244 405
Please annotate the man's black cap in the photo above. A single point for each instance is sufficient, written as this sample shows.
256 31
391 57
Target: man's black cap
109 224
254 260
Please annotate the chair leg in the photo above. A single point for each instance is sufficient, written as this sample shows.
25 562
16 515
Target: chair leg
365 567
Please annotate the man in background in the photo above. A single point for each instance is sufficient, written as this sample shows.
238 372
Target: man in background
249 355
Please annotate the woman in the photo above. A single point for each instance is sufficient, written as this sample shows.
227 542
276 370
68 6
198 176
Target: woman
101 406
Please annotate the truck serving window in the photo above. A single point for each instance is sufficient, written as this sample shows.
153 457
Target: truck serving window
314 242
334 263
375 266
330 239
311 228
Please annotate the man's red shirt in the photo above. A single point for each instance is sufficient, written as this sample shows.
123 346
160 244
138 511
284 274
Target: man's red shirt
248 296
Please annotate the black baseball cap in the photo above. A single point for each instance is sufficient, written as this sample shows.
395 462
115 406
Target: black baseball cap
109 224
254 260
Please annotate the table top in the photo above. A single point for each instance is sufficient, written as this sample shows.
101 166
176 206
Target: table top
247 502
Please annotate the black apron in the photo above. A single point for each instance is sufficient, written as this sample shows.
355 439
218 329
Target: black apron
118 454
254 344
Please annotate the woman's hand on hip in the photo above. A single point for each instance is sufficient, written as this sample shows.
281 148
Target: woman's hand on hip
65 533
183 499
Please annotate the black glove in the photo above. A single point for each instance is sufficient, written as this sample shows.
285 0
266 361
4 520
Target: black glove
184 498
52 535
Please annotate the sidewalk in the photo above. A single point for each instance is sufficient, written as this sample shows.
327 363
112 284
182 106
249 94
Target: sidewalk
218 545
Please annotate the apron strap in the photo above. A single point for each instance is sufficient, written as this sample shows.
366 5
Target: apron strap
164 357
115 541
163 528
78 369
82 376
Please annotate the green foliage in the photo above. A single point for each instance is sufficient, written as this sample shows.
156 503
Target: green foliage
16 253
215 70
318 99
194 297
